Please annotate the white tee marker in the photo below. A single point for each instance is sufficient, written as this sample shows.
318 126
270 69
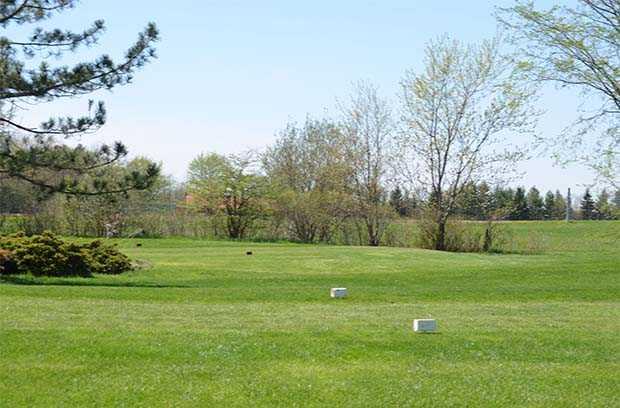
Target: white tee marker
425 325
338 293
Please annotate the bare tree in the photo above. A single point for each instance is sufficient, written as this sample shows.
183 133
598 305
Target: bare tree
367 127
456 116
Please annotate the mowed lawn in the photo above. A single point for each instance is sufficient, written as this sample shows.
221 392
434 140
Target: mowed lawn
206 325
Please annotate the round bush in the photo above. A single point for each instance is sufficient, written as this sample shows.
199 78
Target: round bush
48 255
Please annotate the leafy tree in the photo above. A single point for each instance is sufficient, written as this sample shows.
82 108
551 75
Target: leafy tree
113 214
455 113
311 174
577 47
18 197
367 128
587 206
535 204
35 154
225 185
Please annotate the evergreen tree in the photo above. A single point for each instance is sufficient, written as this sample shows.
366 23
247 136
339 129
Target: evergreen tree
485 203
502 201
603 208
569 206
468 204
410 202
587 206
535 204
559 212
519 205
616 205
35 154
549 206
397 201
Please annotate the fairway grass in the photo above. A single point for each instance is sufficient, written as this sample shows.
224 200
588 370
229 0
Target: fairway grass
206 325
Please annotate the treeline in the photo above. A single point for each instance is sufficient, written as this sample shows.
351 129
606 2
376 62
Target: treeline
294 191
340 180
481 202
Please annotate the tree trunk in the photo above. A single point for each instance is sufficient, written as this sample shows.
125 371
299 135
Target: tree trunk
373 235
440 239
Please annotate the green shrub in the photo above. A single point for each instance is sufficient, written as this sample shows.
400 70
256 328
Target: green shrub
107 259
7 263
48 255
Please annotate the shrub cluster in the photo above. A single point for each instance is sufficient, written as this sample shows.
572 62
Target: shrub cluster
48 255
464 236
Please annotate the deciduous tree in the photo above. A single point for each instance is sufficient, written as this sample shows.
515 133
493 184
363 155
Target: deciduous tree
367 128
311 174
226 185
577 47
456 115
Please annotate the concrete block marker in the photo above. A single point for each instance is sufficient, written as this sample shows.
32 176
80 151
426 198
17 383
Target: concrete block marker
425 325
338 293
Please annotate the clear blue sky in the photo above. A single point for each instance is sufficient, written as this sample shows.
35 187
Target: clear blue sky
231 73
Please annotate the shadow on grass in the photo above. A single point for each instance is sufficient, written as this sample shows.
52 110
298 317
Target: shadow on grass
32 281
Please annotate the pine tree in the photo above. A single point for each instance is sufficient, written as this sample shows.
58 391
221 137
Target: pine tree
502 201
519 205
468 204
559 211
569 206
587 206
484 201
410 202
35 154
603 208
397 201
549 206
535 204
617 199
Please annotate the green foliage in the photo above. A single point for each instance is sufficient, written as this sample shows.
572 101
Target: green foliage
36 154
106 259
535 205
519 205
603 208
8 266
309 172
48 255
463 236
576 46
226 186
587 206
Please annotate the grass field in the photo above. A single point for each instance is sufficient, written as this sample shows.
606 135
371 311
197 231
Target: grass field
205 325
